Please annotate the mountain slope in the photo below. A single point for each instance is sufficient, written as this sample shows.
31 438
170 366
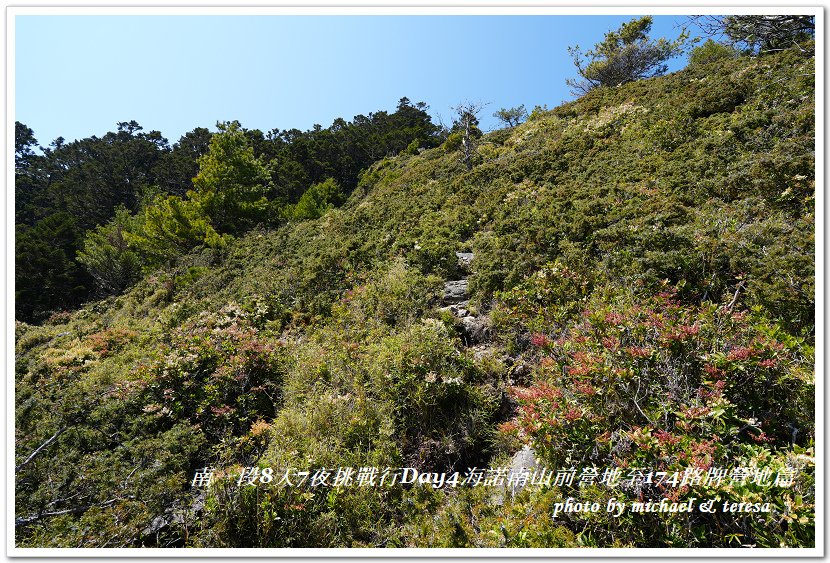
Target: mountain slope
659 235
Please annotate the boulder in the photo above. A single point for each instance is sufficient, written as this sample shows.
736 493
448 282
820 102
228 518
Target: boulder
475 329
523 460
455 292
465 260
458 309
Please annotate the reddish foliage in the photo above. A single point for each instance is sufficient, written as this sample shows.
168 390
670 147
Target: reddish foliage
539 340
740 353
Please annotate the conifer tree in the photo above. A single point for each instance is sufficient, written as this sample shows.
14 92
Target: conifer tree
231 183
625 55
107 257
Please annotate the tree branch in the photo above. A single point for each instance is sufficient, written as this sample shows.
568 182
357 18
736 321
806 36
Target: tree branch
77 510
731 304
40 448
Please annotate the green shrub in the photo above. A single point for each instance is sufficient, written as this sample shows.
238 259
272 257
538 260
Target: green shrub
441 414
453 142
397 297
217 373
710 52
316 200
610 236
656 384
170 227
107 256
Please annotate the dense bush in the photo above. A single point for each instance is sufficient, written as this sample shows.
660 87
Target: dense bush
107 256
658 385
710 52
316 200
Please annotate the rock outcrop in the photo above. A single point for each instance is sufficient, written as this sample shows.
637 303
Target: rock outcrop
456 292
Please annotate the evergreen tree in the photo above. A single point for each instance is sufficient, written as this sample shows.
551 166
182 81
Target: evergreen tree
759 33
170 227
511 117
231 184
623 56
107 257
316 200
29 185
175 169
47 278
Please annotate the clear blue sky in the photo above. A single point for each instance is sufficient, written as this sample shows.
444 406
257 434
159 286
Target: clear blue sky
76 76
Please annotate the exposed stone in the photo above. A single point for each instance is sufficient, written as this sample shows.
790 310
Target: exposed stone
465 260
172 517
455 291
481 351
475 329
458 309
523 460
520 373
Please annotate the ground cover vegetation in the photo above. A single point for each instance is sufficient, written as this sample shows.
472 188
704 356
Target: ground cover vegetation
642 266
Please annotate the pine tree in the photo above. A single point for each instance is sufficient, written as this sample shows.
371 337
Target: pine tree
231 184
623 56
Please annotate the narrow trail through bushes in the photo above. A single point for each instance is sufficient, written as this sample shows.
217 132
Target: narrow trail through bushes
476 336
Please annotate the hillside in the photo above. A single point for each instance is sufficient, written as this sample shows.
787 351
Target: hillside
641 296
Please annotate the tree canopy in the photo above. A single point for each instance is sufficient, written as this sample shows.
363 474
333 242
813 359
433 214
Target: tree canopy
513 116
759 33
232 182
202 187
625 55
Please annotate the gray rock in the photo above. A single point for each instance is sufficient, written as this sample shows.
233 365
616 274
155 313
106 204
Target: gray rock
475 329
523 460
173 516
481 351
455 291
519 373
465 259
523 463
457 309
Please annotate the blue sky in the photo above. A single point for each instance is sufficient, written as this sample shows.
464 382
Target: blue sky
76 76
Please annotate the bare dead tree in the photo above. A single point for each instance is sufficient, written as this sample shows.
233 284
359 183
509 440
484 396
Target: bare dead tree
466 122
